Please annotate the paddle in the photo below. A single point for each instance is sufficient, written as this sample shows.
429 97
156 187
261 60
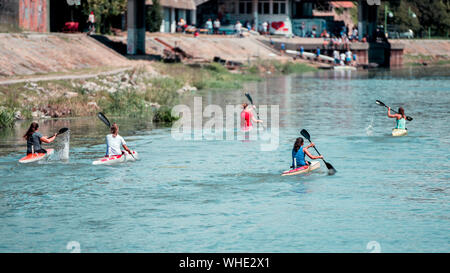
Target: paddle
331 169
62 131
251 101
408 118
105 120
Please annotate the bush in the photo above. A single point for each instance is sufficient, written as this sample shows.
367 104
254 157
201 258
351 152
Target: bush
164 115
6 117
125 102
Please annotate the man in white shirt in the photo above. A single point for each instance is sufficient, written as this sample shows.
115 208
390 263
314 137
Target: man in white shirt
114 142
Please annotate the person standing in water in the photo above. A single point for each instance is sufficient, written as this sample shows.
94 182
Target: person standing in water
400 116
34 139
299 152
247 118
114 142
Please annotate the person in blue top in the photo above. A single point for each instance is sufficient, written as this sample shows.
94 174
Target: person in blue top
400 116
299 152
34 139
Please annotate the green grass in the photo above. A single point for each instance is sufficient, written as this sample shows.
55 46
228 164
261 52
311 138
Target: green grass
210 76
6 117
9 28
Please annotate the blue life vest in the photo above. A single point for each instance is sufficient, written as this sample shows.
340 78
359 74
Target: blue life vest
299 157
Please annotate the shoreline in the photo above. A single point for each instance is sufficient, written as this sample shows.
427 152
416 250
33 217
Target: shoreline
149 90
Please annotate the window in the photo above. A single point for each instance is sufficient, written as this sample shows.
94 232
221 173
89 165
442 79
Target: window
279 7
245 6
264 7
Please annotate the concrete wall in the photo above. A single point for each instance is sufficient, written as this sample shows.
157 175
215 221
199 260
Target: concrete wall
9 12
33 15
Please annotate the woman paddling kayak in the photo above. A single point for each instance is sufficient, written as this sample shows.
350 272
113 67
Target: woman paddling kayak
299 152
34 139
400 116
114 142
247 118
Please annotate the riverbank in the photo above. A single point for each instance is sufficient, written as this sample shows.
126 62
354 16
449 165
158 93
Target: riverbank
419 52
146 90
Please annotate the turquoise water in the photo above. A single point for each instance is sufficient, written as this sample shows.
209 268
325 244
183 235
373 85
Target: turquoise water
228 195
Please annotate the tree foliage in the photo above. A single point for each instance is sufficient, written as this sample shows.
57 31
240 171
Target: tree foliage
104 11
154 16
430 14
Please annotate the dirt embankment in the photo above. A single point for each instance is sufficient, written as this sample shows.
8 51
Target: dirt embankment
36 53
425 51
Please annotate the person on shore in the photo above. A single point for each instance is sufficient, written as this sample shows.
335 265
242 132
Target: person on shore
209 26
114 142
181 25
248 118
34 139
238 28
216 26
336 57
317 53
299 152
264 27
303 27
400 118
91 21
348 57
342 58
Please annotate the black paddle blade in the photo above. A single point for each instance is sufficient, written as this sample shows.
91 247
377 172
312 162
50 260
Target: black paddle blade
249 97
305 134
331 169
380 103
409 118
103 118
62 131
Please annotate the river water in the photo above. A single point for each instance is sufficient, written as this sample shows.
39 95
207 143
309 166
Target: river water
228 195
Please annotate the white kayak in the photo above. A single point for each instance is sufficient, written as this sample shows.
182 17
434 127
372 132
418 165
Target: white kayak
345 67
304 169
399 132
36 156
114 159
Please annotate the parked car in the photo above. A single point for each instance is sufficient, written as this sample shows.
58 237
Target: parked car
408 34
394 34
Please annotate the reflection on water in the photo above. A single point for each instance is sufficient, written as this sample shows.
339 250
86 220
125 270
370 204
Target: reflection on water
228 195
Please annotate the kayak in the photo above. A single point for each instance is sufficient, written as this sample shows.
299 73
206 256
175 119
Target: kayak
304 169
399 132
340 67
114 159
36 156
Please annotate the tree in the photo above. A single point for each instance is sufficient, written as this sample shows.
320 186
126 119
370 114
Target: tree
104 11
430 14
154 16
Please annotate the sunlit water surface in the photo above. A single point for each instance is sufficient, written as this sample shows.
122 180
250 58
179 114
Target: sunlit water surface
228 195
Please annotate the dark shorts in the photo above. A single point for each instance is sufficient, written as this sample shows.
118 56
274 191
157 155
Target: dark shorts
41 151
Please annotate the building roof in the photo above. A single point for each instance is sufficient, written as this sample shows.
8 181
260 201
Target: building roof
342 4
179 4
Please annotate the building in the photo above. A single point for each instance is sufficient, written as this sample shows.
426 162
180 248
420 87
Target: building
173 11
31 15
284 17
40 15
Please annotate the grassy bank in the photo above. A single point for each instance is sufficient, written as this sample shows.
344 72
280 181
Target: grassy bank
216 76
139 92
419 60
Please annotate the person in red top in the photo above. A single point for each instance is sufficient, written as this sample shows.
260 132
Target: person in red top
247 118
